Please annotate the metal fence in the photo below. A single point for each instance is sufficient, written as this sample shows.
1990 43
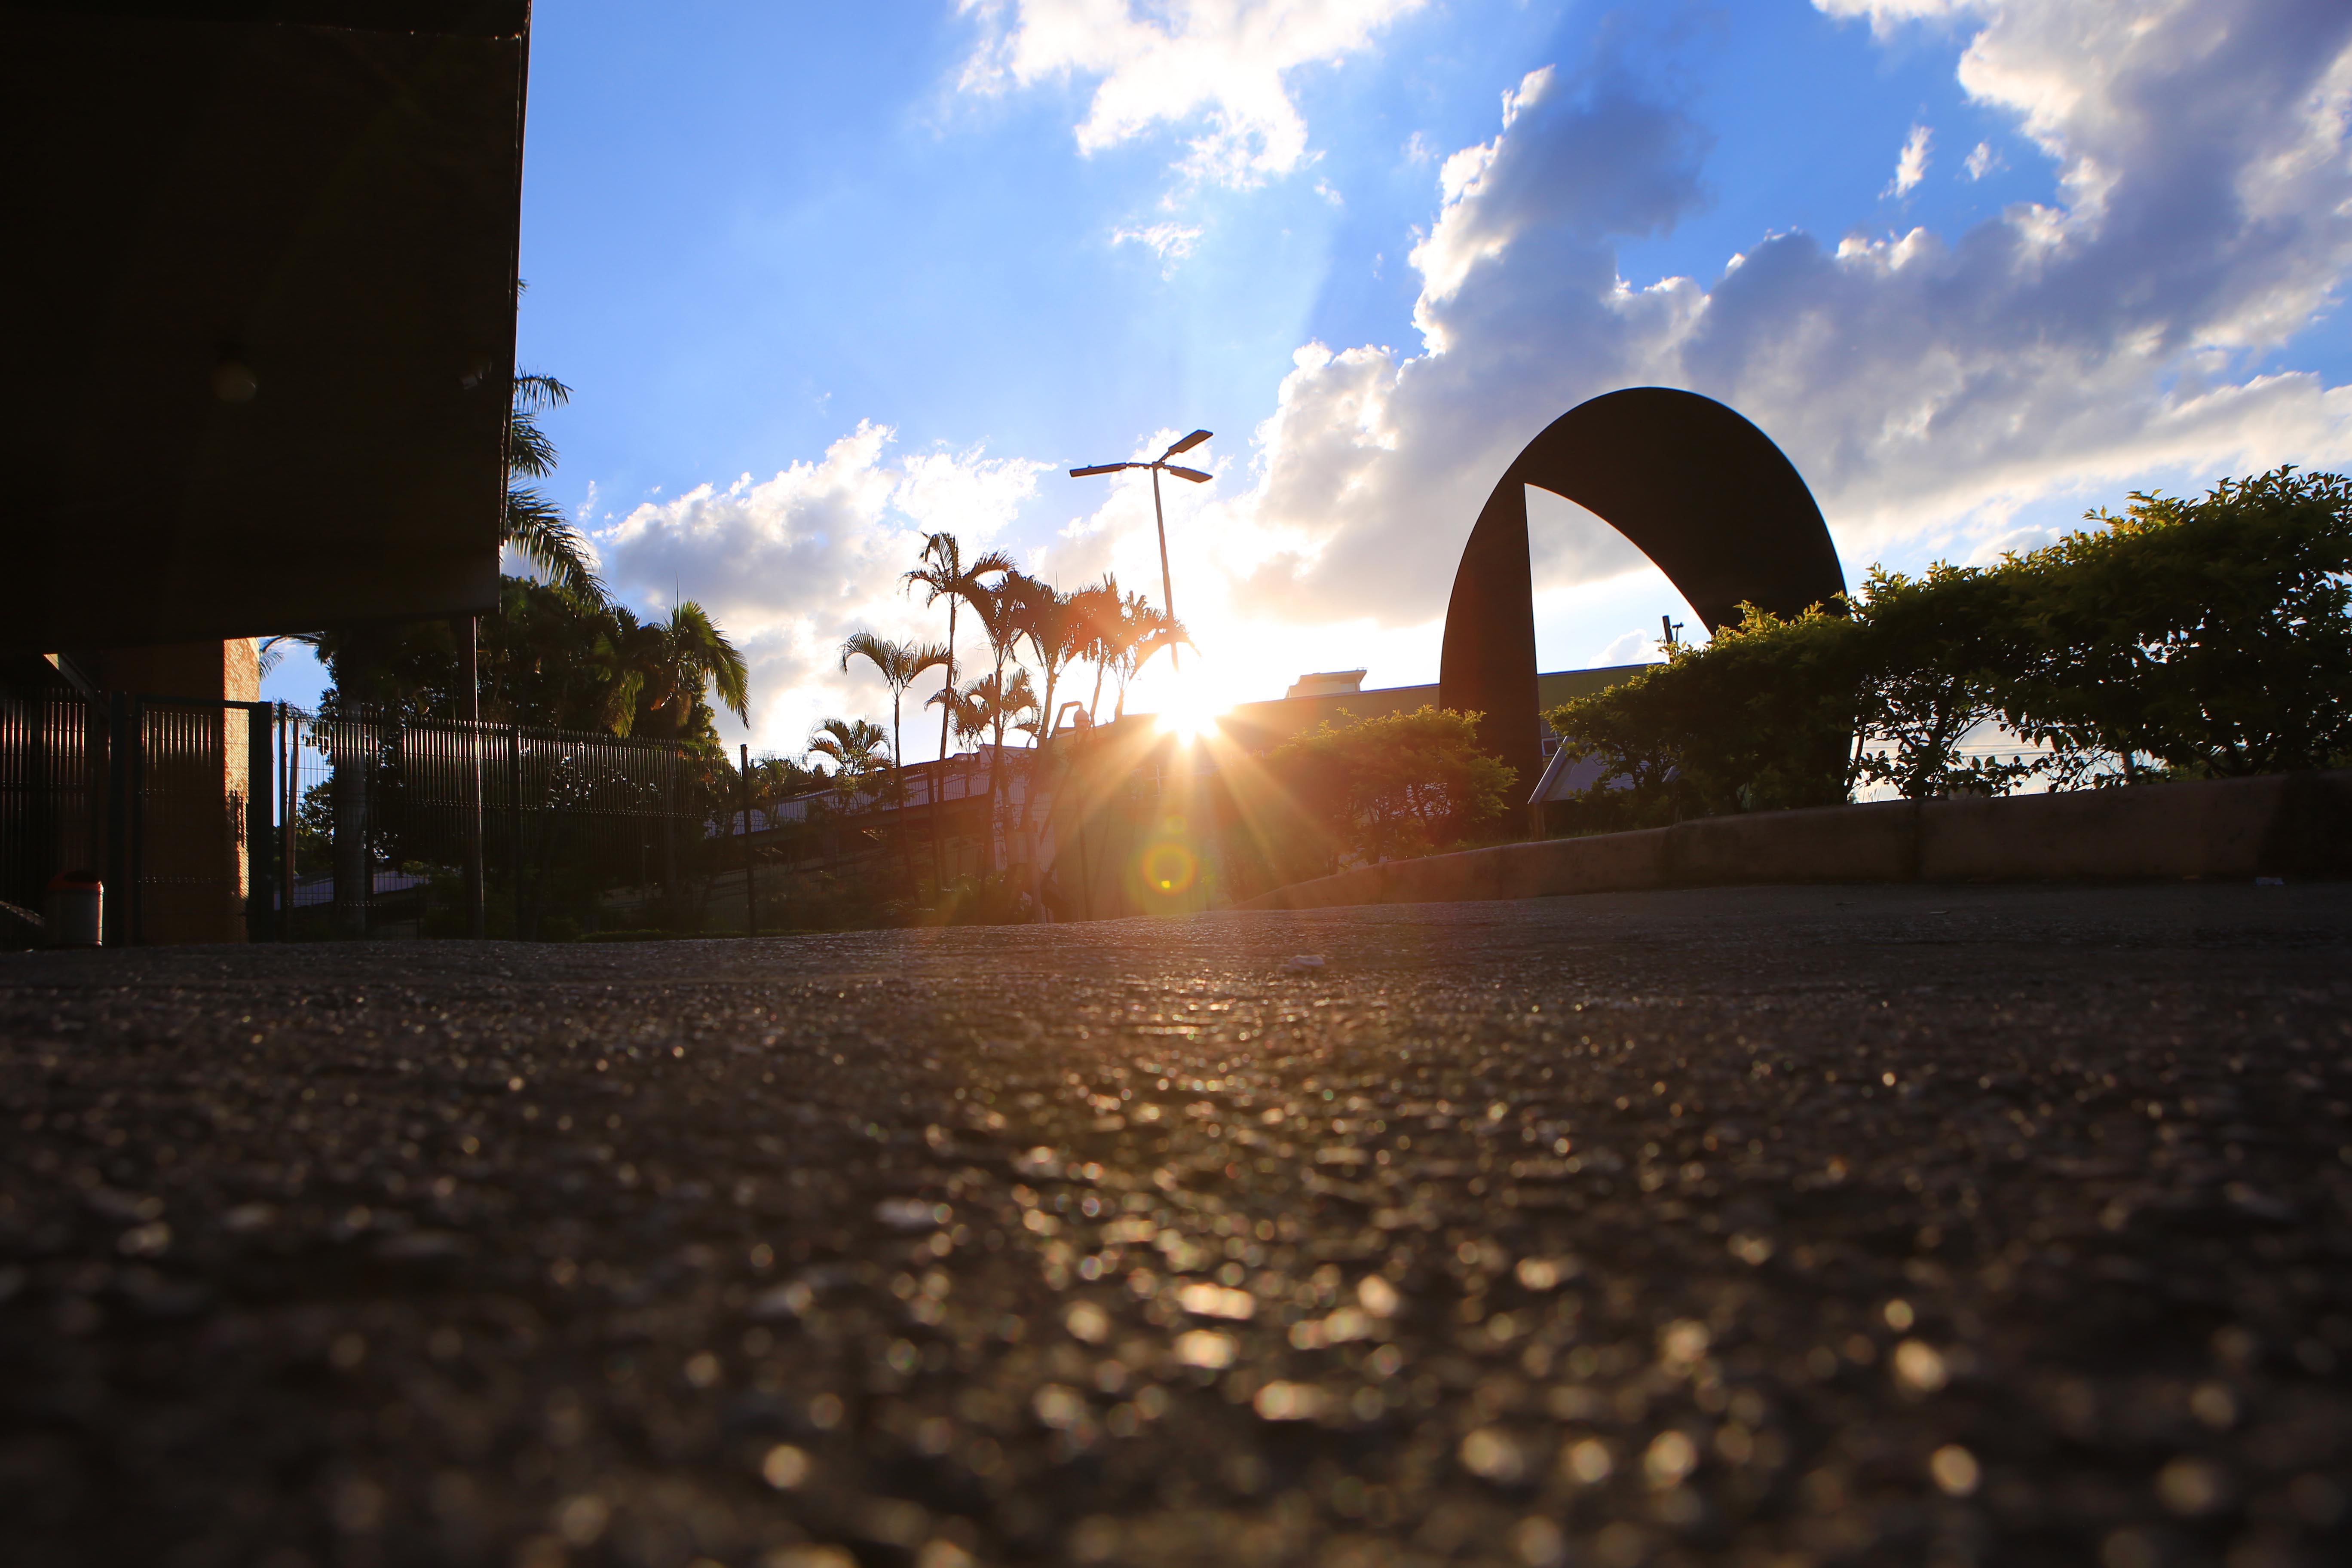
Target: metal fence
148 794
214 821
52 791
401 827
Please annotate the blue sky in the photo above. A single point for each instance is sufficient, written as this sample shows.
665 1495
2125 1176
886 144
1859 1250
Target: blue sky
826 276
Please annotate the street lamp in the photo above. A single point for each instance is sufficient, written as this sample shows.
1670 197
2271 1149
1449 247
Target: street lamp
1167 593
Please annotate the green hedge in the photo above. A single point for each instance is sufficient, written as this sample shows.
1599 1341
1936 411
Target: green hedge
2182 638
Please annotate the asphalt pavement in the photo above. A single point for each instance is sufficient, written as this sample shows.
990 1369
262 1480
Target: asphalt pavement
1945 1226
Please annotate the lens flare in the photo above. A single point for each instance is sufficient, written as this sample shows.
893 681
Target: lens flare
1169 868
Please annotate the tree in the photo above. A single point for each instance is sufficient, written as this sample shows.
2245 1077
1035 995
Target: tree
999 704
1095 610
901 664
857 748
999 621
772 781
1142 630
943 574
965 710
1389 787
2214 635
662 672
1060 629
1938 656
1762 717
534 527
1055 626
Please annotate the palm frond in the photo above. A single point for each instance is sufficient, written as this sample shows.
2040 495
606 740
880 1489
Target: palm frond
271 654
534 393
705 652
537 529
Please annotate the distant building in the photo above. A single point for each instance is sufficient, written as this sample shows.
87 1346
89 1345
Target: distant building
1336 697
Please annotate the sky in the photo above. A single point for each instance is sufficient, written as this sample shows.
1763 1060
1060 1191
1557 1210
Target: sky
826 278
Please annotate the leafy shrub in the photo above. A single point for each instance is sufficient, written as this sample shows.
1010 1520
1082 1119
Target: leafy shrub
1762 717
2212 637
1387 788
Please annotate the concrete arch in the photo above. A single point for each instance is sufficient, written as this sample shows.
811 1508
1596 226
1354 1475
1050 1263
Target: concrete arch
1701 492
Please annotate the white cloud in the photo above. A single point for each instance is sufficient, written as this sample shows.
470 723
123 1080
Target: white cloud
1217 64
1886 15
1630 647
1936 390
1927 385
790 566
1171 242
1982 161
1911 167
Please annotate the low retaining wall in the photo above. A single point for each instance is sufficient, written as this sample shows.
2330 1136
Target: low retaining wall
2297 824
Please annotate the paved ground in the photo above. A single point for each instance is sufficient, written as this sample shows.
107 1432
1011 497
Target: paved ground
1871 1226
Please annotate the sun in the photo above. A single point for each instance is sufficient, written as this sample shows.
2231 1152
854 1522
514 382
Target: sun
1188 714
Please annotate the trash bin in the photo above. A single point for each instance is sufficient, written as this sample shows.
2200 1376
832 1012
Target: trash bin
75 901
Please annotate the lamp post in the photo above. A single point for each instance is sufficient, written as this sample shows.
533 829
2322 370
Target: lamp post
1167 591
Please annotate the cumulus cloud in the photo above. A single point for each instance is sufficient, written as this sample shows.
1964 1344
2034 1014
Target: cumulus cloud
1911 166
1983 160
1218 65
1931 387
791 565
1927 385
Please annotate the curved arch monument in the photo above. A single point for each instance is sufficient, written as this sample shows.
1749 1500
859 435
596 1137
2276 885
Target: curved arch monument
1701 492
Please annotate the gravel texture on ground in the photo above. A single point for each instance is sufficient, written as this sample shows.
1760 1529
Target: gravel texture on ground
1760 1227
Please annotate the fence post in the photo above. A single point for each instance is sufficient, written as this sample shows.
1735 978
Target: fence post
117 870
673 902
260 791
751 885
350 763
135 810
289 754
514 823
470 710
41 849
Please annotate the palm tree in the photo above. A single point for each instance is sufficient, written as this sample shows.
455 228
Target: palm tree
966 709
1143 630
943 574
663 669
1055 625
999 703
1097 608
857 748
989 706
1000 621
901 664
532 526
